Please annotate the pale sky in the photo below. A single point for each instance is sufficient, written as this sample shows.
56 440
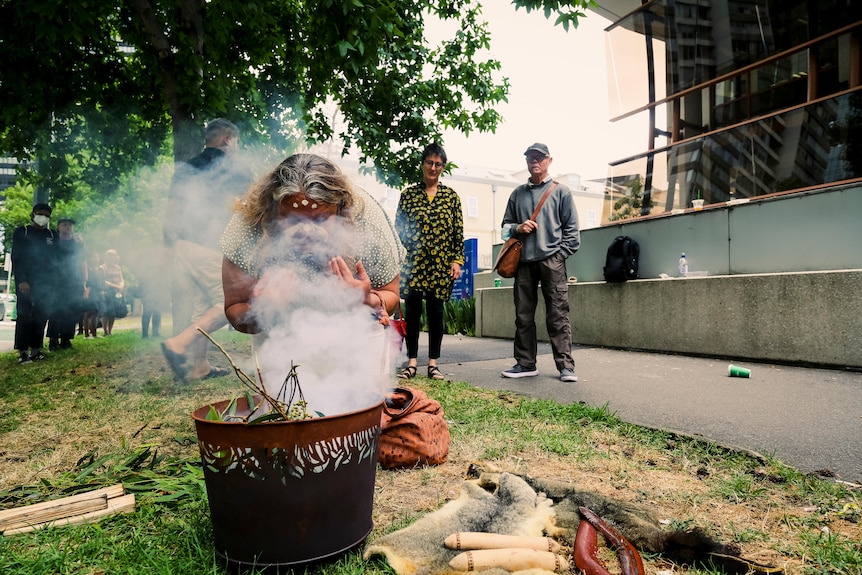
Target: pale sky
558 96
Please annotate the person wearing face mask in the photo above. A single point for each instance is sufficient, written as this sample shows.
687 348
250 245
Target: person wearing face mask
33 265
200 204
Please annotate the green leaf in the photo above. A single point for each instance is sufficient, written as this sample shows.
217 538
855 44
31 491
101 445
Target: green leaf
270 416
249 401
213 414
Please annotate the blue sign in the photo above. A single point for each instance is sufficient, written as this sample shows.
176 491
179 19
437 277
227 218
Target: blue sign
463 288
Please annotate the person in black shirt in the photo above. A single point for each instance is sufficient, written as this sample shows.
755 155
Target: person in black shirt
33 265
70 282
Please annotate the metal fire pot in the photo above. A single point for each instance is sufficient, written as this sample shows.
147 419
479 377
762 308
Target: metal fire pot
288 493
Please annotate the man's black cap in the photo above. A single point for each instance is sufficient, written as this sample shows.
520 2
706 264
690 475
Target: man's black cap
538 147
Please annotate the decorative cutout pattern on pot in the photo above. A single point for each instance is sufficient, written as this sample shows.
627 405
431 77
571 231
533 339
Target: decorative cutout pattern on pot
302 460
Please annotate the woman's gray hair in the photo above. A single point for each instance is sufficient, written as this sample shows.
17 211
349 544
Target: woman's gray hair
314 176
319 180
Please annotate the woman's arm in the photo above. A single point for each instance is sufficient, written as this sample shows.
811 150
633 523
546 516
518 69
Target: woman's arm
389 294
238 289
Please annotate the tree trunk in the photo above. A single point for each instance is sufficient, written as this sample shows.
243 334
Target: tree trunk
188 137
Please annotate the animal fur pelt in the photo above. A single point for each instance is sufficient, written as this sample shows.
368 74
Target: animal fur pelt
634 521
494 501
511 508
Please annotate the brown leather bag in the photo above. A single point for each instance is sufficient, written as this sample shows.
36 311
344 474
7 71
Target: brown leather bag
509 258
413 430
510 254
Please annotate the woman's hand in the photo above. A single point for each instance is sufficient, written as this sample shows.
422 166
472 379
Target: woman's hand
360 280
276 288
456 271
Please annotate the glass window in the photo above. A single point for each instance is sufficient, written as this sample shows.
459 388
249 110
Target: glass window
628 84
813 145
472 207
833 65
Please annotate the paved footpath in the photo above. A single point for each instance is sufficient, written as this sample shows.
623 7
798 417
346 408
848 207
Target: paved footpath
810 419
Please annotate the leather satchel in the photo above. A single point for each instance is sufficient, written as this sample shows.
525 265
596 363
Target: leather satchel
510 254
413 432
509 258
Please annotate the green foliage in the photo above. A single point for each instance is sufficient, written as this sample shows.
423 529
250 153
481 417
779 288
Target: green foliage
740 488
459 316
568 11
832 553
92 90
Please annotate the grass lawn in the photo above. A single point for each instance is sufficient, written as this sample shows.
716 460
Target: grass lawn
108 411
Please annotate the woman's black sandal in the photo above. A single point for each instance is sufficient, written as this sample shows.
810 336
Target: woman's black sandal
434 372
408 373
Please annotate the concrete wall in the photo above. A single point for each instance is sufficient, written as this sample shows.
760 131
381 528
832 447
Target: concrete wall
795 318
797 299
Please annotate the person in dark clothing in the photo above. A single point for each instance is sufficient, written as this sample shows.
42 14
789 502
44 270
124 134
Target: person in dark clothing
94 296
33 257
203 193
69 286
155 297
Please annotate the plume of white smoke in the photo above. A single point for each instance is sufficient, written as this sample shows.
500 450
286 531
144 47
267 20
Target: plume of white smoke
317 321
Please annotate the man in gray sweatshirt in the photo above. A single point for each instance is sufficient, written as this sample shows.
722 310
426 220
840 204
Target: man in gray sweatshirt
548 240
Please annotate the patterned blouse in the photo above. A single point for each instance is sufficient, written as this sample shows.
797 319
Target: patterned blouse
376 244
432 231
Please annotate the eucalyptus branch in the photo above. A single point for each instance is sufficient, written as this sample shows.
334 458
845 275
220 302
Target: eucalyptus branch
246 380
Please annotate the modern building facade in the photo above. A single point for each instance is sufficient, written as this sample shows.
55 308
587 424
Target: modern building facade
739 98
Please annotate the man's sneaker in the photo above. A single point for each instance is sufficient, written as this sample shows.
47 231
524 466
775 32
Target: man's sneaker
519 370
38 356
23 358
568 375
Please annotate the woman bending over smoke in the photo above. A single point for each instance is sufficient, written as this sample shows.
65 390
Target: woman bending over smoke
302 222
311 265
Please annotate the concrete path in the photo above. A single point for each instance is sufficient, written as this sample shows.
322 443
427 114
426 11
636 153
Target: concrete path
810 419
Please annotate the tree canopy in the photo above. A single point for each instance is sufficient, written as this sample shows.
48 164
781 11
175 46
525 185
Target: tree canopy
92 90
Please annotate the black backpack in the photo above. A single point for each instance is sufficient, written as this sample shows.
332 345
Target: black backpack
621 263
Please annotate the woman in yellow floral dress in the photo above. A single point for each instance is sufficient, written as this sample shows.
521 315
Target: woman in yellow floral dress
430 224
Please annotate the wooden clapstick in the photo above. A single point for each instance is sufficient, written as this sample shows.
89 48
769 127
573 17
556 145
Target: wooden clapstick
480 540
509 559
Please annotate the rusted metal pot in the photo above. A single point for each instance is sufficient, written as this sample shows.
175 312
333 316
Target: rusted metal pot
287 493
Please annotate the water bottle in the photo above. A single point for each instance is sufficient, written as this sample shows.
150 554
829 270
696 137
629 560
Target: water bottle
683 266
